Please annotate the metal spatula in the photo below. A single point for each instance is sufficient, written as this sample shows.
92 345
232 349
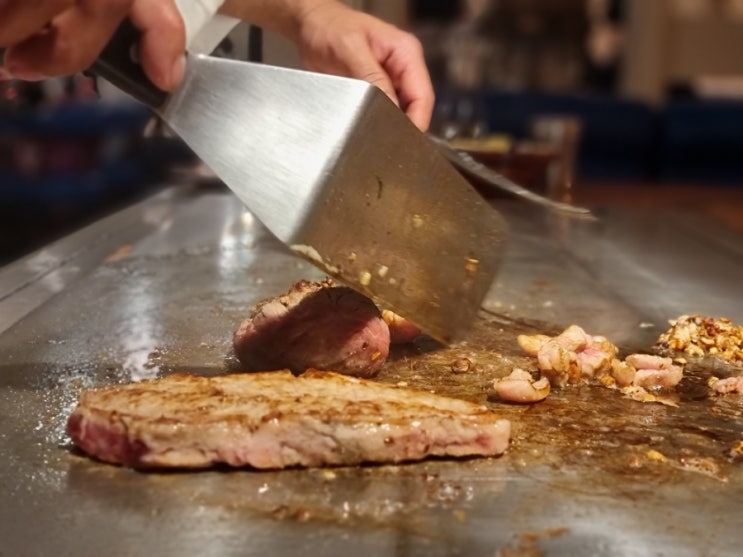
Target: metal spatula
339 174
464 161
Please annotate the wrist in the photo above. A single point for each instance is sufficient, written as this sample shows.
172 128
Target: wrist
285 17
299 12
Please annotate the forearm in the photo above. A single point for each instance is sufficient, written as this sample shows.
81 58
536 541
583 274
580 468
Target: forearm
281 16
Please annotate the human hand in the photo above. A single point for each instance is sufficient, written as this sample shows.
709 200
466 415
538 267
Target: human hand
334 38
48 38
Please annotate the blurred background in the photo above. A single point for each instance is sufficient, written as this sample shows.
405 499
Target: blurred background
626 100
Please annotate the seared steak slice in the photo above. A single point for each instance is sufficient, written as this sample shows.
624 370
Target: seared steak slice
315 325
277 420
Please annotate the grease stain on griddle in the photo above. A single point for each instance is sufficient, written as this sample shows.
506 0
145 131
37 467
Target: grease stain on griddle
584 426
584 440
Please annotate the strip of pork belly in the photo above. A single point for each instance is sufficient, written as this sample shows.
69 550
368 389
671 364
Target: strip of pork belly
277 420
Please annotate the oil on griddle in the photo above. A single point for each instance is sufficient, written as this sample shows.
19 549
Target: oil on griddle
585 441
585 425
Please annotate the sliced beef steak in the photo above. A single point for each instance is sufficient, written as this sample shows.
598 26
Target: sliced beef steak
315 325
277 420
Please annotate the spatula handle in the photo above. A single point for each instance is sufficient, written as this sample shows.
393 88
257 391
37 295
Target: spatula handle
119 64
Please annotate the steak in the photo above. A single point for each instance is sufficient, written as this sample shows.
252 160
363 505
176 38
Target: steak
314 325
277 420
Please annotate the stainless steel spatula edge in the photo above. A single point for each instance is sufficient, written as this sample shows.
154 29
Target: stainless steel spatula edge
336 171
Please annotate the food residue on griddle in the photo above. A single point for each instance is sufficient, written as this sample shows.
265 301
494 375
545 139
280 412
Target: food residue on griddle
574 357
702 336
527 544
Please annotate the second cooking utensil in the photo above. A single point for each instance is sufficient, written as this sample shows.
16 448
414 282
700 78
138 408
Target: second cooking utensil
464 161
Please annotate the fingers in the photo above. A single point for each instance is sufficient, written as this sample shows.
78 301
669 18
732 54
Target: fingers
402 60
361 64
163 41
70 43
75 37
336 39
413 83
412 89
19 19
419 110
395 66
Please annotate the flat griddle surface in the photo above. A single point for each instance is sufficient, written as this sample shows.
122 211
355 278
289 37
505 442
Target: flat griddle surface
160 288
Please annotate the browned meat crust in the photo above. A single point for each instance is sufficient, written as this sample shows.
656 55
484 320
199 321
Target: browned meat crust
702 336
315 325
277 420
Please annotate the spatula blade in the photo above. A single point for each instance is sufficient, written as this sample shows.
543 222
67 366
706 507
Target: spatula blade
338 173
